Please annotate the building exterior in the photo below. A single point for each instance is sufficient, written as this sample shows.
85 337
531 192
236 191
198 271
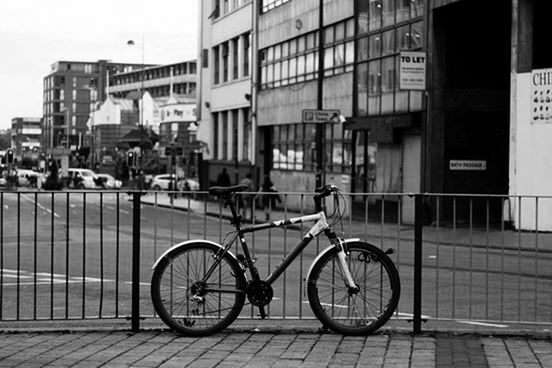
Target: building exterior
226 124
71 90
26 134
159 81
344 55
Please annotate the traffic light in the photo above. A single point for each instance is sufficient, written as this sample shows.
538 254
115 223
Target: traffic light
130 159
9 156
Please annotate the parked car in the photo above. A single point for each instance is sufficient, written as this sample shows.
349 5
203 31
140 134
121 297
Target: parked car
163 182
28 178
109 181
80 178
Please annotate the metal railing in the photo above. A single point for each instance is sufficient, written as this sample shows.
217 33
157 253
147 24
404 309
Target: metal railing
83 255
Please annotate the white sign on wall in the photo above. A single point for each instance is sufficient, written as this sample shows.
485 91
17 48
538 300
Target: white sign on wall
412 70
478 165
541 96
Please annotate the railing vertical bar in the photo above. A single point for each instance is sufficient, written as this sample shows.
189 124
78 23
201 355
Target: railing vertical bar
301 200
470 264
155 210
536 256
502 245
205 216
67 215
487 271
189 220
35 252
399 215
366 219
284 280
519 261
19 251
1 255
52 258
117 254
418 234
101 257
437 255
269 258
454 236
135 313
83 255
382 222
172 216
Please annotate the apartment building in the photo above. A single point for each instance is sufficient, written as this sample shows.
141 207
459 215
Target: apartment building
71 90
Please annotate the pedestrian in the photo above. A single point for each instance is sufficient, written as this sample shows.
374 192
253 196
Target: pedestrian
223 179
268 196
246 200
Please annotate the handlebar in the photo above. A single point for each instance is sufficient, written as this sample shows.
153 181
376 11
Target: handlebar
323 192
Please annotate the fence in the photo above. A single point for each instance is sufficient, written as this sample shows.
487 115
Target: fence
88 255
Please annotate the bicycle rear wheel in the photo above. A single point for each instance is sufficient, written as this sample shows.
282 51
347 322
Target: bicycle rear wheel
354 313
186 301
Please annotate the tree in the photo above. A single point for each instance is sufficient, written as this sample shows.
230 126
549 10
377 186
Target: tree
5 141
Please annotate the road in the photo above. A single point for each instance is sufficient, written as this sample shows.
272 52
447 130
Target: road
73 260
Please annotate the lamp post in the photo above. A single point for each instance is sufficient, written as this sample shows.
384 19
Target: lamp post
140 91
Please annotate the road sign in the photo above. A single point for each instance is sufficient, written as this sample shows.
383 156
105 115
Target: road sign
320 116
412 70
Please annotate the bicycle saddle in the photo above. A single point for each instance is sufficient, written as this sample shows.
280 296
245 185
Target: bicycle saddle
222 191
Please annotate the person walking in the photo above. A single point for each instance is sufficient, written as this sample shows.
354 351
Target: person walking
246 199
223 179
268 195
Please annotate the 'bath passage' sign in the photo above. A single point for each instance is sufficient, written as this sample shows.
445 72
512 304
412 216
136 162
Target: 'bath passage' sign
541 96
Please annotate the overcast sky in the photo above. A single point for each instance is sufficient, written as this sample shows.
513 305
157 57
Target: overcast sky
36 33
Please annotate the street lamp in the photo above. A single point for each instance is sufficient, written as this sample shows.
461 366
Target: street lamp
141 111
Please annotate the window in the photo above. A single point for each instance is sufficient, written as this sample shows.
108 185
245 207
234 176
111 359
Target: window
389 27
224 153
235 61
216 67
246 134
215 117
268 5
225 62
296 60
246 54
235 115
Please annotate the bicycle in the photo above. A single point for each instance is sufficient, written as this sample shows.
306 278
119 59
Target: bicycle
199 287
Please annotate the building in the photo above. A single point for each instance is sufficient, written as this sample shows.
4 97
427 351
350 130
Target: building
160 81
71 90
226 124
26 135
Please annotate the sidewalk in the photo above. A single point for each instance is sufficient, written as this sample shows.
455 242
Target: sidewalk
270 348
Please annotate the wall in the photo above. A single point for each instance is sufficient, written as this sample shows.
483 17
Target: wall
530 163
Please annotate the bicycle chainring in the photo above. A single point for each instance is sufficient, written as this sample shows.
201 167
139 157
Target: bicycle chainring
259 292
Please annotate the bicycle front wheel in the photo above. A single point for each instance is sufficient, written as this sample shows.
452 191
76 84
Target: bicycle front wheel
357 312
190 302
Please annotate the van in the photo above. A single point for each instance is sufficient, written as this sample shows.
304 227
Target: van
80 178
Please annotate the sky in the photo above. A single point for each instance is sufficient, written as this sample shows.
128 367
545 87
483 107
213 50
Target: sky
34 34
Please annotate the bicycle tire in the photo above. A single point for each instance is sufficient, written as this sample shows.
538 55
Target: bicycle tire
370 308
175 280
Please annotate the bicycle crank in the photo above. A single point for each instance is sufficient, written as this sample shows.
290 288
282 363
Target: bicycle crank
259 292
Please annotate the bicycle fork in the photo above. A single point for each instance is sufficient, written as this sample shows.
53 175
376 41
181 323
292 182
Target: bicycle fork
342 256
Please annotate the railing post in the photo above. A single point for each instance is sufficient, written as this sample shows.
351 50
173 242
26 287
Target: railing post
418 229
135 313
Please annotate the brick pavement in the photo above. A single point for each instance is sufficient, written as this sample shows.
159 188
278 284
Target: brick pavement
233 349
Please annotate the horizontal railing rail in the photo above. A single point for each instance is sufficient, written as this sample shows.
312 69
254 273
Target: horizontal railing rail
87 255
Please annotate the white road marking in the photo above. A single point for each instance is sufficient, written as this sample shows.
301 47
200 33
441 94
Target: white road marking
482 324
39 205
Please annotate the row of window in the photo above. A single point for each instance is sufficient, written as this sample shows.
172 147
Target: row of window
223 121
376 14
407 37
296 60
226 59
294 147
188 68
222 7
268 5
